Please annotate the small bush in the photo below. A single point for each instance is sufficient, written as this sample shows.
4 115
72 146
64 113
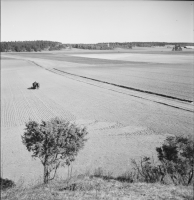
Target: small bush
147 171
6 183
128 177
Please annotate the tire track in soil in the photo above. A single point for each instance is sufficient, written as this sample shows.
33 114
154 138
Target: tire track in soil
101 125
10 116
22 108
19 109
57 109
122 130
94 125
143 132
7 112
117 129
49 108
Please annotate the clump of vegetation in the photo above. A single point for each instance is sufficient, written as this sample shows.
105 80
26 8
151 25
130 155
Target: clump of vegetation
6 183
176 163
55 143
177 159
147 171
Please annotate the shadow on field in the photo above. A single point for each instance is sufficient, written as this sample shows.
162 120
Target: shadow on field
31 88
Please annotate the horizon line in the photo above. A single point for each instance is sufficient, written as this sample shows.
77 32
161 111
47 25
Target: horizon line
92 43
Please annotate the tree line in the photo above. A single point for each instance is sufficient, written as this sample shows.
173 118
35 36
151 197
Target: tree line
39 45
30 46
102 46
125 45
161 44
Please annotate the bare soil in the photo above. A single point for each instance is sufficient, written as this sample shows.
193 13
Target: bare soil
121 127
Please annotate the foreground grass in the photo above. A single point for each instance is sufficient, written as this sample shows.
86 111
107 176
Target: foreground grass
88 187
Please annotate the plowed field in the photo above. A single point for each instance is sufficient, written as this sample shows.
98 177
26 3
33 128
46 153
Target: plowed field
120 126
163 73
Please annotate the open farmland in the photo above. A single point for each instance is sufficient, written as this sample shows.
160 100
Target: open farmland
161 73
120 126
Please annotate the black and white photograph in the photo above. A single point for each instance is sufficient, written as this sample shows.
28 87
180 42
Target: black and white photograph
97 100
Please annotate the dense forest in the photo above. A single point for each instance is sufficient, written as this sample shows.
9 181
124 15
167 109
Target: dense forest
39 45
30 46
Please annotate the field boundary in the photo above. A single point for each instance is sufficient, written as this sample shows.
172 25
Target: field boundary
129 88
182 107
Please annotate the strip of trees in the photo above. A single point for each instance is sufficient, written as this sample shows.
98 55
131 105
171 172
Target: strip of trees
125 45
30 46
103 46
39 45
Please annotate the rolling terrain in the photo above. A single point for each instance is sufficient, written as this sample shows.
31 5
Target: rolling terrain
163 73
122 123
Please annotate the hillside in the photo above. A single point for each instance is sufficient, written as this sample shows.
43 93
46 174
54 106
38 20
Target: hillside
86 187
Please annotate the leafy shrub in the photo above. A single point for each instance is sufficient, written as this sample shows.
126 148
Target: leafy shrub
55 143
6 183
177 159
176 163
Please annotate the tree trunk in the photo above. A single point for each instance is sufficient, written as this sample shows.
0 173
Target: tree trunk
46 174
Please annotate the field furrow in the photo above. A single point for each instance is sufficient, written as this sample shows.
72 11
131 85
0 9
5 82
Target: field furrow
121 125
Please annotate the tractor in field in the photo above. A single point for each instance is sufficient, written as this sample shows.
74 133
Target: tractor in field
35 85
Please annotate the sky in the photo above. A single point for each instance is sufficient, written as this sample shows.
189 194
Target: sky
91 21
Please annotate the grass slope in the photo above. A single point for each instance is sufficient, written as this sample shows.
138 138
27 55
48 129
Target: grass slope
86 187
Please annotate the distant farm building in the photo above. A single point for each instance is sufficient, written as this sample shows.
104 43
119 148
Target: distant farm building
177 48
